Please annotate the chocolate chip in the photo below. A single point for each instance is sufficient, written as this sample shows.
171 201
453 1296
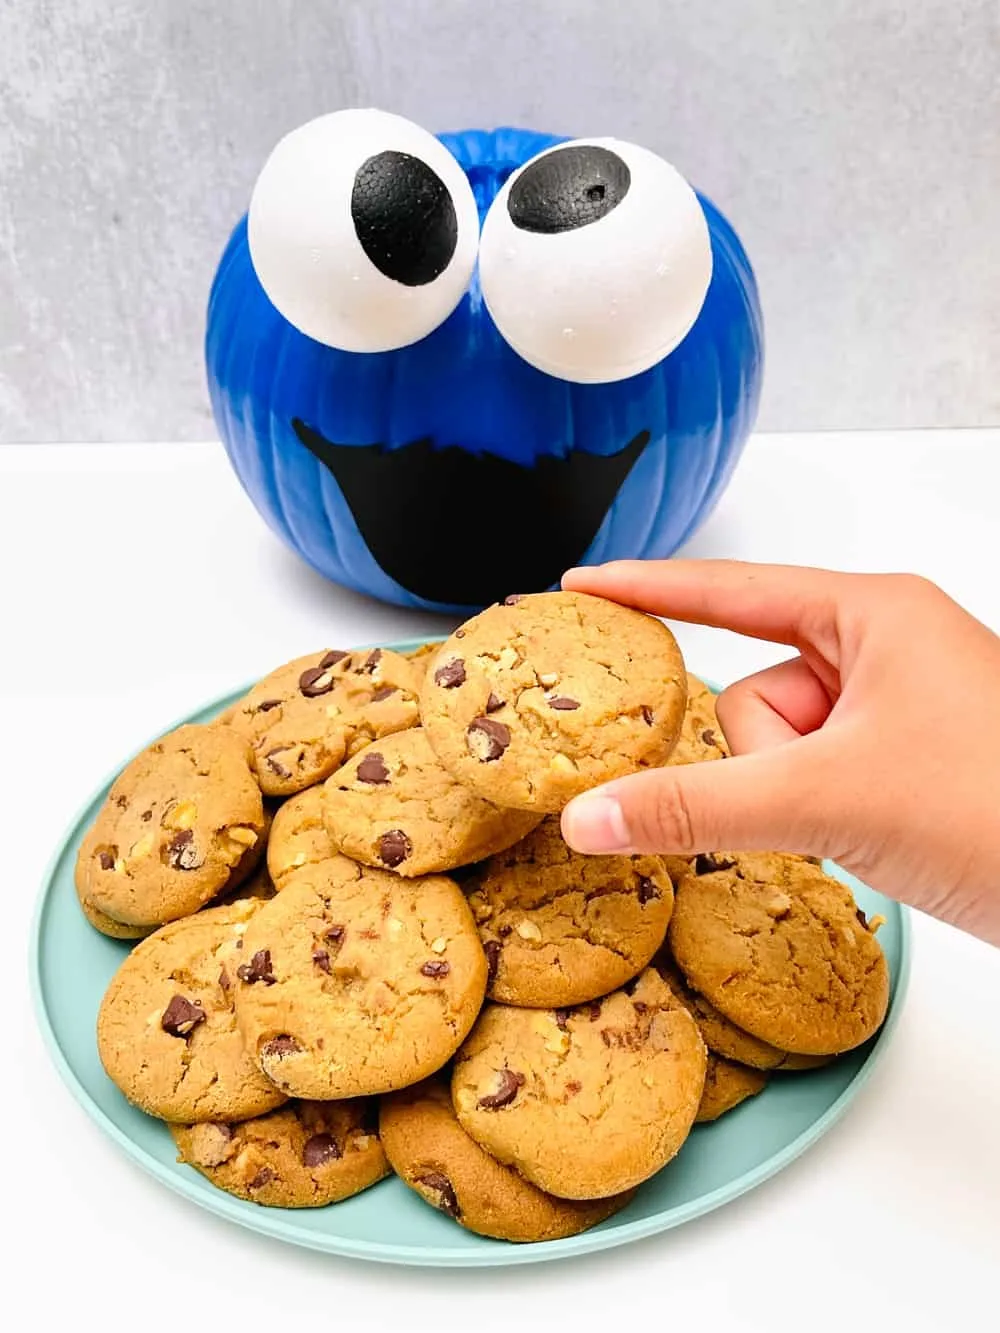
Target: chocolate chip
146 816
574 1086
280 1046
639 1006
224 981
331 659
862 919
647 890
513 599
510 1082
263 1177
459 634
487 739
705 863
266 705
319 1149
181 1016
335 934
279 769
505 930
322 959
647 715
372 769
383 693
563 704
394 847
181 852
368 666
562 1018
314 681
121 802
444 1189
594 1012
449 675
493 704
258 969
708 736
436 968
492 950
106 860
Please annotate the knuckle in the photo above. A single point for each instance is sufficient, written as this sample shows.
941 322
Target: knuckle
912 587
665 821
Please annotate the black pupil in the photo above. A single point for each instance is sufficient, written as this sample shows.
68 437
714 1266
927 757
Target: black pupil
404 218
568 188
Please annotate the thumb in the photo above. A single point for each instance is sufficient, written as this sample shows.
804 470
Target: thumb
779 799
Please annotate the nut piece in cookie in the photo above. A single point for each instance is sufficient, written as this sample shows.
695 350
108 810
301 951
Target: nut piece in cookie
357 981
559 928
585 1102
183 822
396 807
542 697
431 1152
781 950
305 1155
166 1032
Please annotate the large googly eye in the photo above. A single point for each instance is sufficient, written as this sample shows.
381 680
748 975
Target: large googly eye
595 259
363 230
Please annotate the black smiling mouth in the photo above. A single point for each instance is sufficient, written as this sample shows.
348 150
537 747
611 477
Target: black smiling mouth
466 529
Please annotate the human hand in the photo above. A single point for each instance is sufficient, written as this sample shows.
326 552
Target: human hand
877 745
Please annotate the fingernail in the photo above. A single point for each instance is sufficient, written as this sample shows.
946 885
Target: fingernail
595 824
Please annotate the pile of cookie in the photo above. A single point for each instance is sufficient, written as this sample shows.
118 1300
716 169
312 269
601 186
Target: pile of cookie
369 950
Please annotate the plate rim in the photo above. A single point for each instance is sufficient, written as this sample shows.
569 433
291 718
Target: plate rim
273 1223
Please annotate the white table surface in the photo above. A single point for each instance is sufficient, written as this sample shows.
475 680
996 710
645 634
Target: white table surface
137 583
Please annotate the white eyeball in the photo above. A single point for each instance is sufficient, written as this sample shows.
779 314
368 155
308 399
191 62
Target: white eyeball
595 259
363 230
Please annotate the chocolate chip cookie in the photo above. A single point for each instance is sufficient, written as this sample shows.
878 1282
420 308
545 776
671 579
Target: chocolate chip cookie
166 1031
305 1155
355 981
107 925
182 822
726 1085
559 928
537 699
298 836
585 1102
781 949
303 718
421 657
701 736
722 1037
395 806
431 1152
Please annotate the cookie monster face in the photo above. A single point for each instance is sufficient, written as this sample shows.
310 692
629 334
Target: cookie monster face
448 368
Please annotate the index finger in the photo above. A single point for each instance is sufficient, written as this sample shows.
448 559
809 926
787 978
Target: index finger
779 603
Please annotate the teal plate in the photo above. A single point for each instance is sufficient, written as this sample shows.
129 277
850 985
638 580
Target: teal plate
71 965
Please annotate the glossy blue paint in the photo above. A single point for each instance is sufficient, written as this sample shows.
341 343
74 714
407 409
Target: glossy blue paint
464 387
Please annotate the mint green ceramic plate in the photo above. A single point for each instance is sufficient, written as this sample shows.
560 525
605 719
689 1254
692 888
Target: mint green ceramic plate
72 964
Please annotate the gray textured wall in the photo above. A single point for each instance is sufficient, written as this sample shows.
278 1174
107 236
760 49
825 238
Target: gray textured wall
853 143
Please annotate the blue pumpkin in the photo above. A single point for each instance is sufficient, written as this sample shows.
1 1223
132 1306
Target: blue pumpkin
382 421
